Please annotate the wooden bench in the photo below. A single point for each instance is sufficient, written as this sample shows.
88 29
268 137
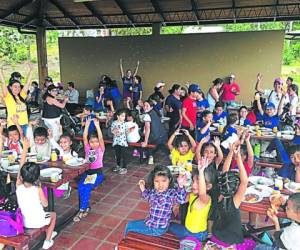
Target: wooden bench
142 242
21 242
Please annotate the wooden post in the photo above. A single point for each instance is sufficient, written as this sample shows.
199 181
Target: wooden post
41 45
156 29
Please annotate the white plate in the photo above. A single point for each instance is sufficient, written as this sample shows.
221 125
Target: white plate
292 187
255 193
261 180
45 159
265 129
75 162
212 128
288 132
47 172
176 169
265 191
102 117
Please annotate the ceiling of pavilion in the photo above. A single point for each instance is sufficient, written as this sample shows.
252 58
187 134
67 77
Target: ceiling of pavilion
73 14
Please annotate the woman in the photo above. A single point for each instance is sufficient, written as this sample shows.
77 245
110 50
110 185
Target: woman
157 97
214 94
14 96
52 111
111 91
292 100
173 106
128 79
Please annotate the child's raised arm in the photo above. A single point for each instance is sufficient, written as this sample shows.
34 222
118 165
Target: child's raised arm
15 120
199 147
239 195
260 109
202 165
86 131
136 68
171 139
250 159
192 141
220 156
25 143
228 159
99 133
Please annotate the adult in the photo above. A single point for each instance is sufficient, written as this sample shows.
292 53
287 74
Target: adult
272 95
112 92
230 90
157 97
137 90
73 96
154 131
52 110
214 93
173 107
99 99
14 96
189 109
293 101
289 81
127 79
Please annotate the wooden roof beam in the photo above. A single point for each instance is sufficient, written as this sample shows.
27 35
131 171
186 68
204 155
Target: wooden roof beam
158 10
195 9
64 12
16 8
94 13
125 11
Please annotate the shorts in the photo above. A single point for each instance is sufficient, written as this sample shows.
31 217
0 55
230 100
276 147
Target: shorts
47 218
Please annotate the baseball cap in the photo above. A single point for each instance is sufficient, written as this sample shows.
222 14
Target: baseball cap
278 80
160 84
231 76
270 105
48 79
16 75
194 88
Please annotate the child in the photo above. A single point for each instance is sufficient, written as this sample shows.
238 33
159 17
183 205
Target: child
31 199
200 203
243 112
202 104
227 228
220 115
286 238
229 130
40 143
94 150
137 90
133 134
184 149
203 124
161 197
15 135
269 117
64 147
119 130
88 114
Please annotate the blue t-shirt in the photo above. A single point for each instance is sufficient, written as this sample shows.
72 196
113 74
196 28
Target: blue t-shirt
246 122
229 131
112 93
223 115
92 127
136 88
203 105
201 124
296 140
270 121
98 105
175 104
287 171
127 83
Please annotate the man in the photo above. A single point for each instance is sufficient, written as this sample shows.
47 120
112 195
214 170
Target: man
272 96
189 109
230 90
73 96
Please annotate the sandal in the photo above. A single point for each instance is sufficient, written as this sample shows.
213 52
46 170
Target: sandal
78 216
86 212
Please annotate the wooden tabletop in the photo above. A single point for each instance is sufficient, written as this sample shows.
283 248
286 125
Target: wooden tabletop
270 164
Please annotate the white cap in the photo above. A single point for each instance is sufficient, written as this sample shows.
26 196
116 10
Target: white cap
232 76
160 84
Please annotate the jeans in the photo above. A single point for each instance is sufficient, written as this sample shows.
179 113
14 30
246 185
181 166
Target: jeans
181 232
264 247
139 226
281 152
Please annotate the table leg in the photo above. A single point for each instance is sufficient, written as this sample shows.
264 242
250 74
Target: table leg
50 200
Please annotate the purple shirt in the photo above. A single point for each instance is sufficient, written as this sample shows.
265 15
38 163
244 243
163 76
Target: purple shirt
94 156
161 205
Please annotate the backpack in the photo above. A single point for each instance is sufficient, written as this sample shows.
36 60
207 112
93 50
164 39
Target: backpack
190 243
11 223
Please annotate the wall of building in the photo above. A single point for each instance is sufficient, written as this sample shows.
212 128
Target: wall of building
180 59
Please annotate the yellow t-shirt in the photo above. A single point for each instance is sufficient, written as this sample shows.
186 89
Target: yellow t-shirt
178 159
196 220
16 108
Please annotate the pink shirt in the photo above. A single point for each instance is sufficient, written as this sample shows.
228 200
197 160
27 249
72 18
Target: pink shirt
94 156
191 111
228 95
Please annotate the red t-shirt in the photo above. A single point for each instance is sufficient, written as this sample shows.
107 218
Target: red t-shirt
191 111
235 166
228 95
251 117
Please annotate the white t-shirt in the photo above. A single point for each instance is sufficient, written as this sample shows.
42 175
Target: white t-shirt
31 207
294 103
274 97
133 135
290 237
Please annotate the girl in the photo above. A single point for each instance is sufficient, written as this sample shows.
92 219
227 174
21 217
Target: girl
227 229
119 130
243 112
31 199
293 100
157 97
229 130
202 104
133 131
200 200
94 149
203 124
184 149
161 197
99 100
137 90
213 95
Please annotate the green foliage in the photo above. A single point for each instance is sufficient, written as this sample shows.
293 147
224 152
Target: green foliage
131 31
171 30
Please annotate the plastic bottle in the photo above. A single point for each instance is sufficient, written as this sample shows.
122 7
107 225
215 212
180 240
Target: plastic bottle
279 182
53 155
189 166
257 150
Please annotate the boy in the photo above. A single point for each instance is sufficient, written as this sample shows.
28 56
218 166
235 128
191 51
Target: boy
270 118
291 167
40 144
287 238
220 115
88 114
203 125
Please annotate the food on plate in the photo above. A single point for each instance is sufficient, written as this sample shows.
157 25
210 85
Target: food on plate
276 201
251 198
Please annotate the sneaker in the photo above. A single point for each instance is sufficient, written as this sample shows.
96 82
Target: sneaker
67 193
53 235
136 153
116 168
123 171
47 244
150 160
144 155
